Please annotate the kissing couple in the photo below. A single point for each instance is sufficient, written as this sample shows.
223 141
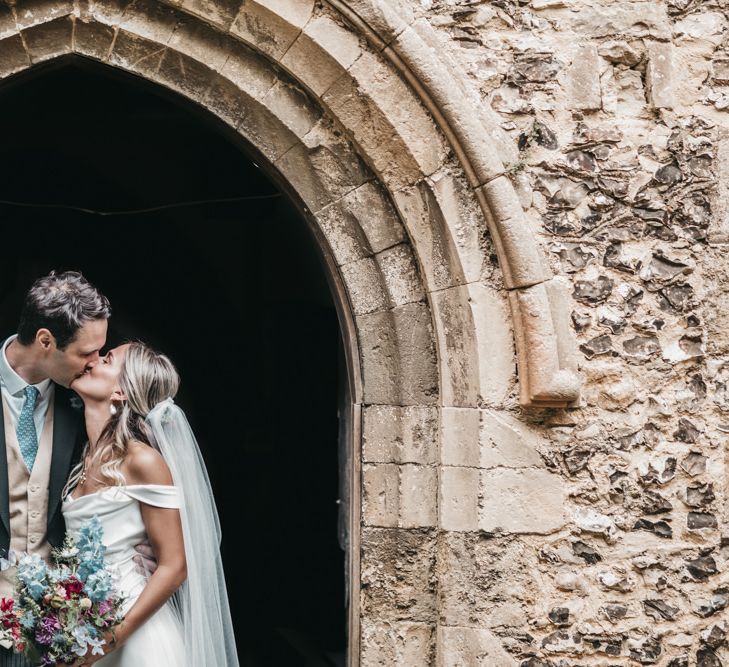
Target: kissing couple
125 455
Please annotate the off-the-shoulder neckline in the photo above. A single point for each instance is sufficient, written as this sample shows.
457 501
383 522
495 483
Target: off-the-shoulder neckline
70 499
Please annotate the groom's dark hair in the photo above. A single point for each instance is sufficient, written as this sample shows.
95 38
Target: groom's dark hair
61 303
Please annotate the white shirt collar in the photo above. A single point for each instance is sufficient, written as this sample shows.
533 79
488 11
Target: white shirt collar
12 381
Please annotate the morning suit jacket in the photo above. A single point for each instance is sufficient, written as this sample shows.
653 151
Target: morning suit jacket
69 434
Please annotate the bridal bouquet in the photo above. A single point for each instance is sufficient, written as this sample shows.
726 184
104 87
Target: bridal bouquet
61 612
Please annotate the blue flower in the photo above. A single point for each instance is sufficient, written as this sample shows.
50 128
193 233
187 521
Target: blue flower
99 586
91 549
32 573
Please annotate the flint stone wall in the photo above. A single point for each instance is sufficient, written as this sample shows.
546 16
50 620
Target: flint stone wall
620 112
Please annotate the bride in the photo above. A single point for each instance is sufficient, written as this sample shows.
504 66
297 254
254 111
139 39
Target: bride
143 476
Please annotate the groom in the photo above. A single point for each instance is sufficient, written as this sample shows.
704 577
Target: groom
62 329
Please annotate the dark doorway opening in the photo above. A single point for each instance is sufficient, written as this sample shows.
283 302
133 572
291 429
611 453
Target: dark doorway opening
234 292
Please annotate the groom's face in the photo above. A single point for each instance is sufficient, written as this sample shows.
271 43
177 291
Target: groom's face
82 354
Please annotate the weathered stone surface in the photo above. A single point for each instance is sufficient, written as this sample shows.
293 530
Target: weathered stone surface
397 643
584 76
394 434
459 498
13 56
399 364
398 574
659 75
521 501
48 40
471 646
272 25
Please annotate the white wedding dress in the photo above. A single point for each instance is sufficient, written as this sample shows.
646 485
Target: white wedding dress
159 642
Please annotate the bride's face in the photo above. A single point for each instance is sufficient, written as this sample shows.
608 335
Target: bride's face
101 381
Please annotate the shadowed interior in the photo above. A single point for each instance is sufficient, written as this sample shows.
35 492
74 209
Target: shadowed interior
234 292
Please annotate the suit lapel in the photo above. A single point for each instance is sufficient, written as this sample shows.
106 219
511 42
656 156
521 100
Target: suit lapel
66 423
4 486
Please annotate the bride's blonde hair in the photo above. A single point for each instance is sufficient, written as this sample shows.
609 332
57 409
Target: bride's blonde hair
147 378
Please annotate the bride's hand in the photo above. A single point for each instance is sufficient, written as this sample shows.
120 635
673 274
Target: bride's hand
90 658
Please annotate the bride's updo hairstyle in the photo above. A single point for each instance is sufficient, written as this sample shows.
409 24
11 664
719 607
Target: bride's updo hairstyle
146 379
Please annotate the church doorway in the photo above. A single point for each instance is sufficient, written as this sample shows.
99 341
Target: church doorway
204 257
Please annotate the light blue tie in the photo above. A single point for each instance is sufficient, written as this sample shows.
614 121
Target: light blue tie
27 436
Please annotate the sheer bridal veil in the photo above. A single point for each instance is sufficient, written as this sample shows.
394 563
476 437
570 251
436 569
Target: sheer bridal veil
202 600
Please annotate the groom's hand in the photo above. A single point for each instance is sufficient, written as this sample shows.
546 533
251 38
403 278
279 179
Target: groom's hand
145 560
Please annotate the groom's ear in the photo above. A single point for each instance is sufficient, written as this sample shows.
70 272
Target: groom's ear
45 339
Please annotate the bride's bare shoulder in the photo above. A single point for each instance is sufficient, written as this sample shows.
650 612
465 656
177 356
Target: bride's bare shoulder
144 465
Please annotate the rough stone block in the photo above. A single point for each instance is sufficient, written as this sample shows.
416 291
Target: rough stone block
466 224
631 19
136 54
495 343
226 100
360 223
365 287
483 581
398 575
8 27
388 19
402 643
293 107
322 52
428 228
249 71
487 439
458 351
374 133
520 258
399 364
201 42
400 274
471 647
584 78
13 56
153 21
272 25
266 132
526 500
402 496
460 436
108 12
343 232
93 39
218 12
381 495
418 496
376 215
659 75
396 101
508 442
32 13
49 40
323 168
394 434
459 496
184 74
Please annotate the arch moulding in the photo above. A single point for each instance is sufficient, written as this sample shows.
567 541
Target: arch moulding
544 346
318 47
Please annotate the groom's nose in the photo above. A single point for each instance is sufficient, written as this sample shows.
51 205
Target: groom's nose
90 363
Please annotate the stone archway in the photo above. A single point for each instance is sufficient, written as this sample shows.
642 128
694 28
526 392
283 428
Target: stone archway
361 121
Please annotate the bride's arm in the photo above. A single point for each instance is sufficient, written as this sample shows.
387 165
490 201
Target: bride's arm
144 465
